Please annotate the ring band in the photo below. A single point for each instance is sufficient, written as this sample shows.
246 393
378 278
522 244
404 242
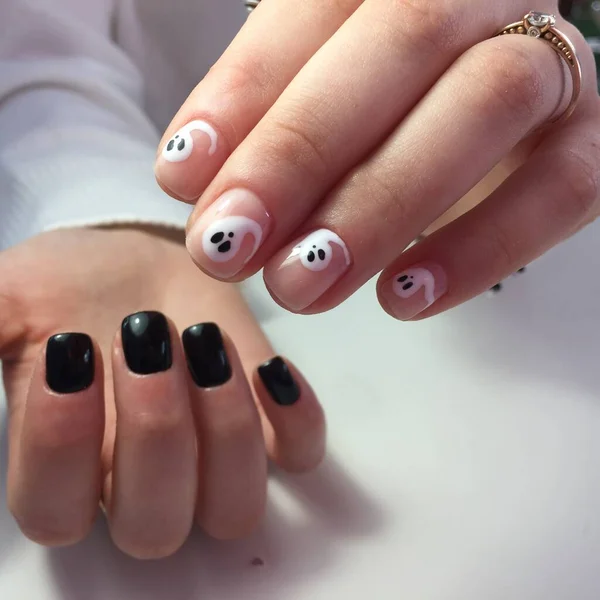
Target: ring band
541 25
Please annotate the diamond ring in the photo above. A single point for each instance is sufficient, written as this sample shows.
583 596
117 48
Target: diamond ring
251 4
541 26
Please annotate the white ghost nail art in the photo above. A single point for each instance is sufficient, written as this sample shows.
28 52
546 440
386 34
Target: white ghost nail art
180 146
315 250
222 240
409 282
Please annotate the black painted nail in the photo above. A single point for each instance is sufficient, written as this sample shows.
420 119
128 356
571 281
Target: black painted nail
69 362
279 382
206 355
146 342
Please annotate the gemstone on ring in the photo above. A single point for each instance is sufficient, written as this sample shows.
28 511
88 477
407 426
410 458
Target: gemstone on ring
538 19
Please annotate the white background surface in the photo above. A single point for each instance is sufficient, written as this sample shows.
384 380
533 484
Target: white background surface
464 463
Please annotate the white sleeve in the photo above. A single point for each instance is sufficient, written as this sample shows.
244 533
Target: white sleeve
75 145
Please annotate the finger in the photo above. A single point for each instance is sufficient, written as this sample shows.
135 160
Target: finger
241 87
154 478
339 108
233 465
55 471
542 203
433 159
295 415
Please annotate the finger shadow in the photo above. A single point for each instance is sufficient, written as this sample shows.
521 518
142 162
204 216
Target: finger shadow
309 520
9 532
544 324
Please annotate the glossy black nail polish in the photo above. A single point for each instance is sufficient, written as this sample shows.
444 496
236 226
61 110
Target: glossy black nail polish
279 382
69 362
146 342
206 355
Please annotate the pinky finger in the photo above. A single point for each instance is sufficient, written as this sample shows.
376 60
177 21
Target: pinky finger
544 202
295 417
55 477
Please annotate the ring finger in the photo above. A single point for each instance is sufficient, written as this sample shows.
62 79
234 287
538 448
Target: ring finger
502 88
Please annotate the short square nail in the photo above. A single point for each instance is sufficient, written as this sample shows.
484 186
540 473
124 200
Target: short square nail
146 342
206 355
69 363
411 291
229 233
279 382
301 273
189 159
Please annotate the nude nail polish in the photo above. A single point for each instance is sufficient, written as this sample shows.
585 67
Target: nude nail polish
229 233
189 159
301 273
411 291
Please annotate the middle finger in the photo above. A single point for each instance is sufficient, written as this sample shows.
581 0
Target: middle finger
345 101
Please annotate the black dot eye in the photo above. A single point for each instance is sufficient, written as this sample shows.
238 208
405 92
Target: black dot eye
311 256
314 246
321 254
408 285
402 279
224 247
215 239
231 234
181 145
170 145
176 137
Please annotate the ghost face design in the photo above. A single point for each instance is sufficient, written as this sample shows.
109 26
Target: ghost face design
181 145
222 240
408 283
315 251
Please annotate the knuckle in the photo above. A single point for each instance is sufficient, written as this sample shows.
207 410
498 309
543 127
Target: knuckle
503 249
431 27
509 82
298 138
247 78
581 186
159 425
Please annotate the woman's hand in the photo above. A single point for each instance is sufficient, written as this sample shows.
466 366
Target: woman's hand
120 419
332 133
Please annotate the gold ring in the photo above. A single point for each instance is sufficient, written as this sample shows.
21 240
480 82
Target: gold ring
541 25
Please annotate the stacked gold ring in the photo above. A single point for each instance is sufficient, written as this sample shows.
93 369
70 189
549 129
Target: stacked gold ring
541 26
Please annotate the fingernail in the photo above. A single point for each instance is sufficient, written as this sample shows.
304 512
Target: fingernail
304 271
146 342
69 363
190 159
279 382
229 233
413 290
206 356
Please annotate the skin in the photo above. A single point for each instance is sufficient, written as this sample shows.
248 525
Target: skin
316 118
127 444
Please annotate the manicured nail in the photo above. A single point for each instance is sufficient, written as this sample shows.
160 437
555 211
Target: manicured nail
304 271
146 342
69 362
190 159
413 290
229 233
279 382
206 355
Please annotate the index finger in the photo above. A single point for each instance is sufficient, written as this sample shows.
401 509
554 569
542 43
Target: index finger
261 61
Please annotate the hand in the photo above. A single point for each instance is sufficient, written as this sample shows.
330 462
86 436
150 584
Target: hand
116 419
332 133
